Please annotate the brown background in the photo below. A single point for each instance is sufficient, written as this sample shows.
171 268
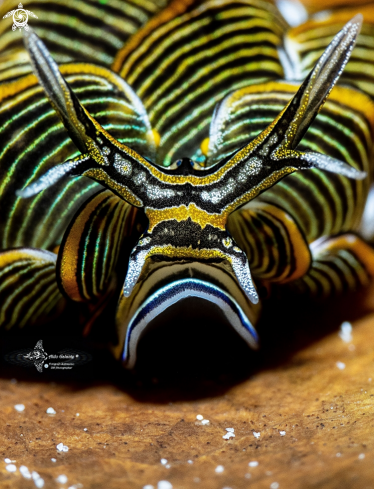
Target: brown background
135 419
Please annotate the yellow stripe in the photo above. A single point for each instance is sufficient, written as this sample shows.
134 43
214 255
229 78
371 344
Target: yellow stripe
12 256
182 213
16 86
176 8
100 176
183 252
341 17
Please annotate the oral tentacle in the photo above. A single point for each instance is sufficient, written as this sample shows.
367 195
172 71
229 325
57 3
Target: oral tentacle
272 155
327 163
118 162
53 176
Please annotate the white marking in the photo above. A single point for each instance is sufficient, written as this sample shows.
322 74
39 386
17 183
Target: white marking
62 448
293 11
228 435
19 407
62 479
24 471
164 485
122 165
345 332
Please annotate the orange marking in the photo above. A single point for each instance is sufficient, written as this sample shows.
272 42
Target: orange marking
70 249
351 242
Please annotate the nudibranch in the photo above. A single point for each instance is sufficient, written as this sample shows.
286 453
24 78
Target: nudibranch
169 172
186 250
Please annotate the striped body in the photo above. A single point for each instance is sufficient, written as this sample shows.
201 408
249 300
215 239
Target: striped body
198 126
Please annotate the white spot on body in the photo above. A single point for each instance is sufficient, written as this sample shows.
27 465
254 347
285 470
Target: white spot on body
219 469
156 193
254 463
53 460
257 434
215 196
274 485
205 421
340 365
124 167
11 468
163 461
227 242
50 410
361 456
252 167
19 407
282 433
